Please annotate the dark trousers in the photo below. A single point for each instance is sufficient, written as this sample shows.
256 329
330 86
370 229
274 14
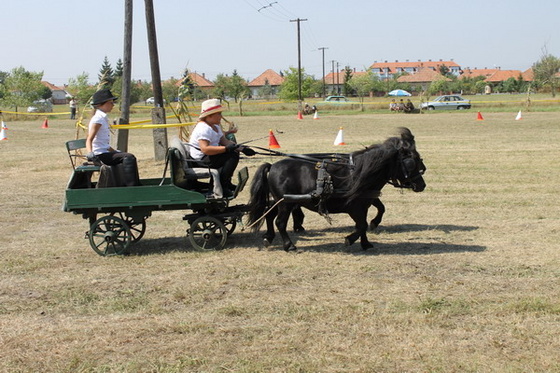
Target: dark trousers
129 165
73 113
225 163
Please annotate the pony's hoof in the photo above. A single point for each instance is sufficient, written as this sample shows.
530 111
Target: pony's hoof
299 229
266 243
291 248
367 246
348 241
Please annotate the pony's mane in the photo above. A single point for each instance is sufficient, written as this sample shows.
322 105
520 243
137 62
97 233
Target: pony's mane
372 159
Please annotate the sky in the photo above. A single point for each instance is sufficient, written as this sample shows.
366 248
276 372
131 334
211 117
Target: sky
65 38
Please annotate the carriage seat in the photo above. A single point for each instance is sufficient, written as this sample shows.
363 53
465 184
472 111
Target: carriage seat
83 169
188 172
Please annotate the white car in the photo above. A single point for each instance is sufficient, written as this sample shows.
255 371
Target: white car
151 101
40 106
447 102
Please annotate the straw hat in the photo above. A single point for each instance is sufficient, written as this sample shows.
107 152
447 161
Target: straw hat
210 107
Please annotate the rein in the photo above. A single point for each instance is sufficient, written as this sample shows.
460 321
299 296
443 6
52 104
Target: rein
308 158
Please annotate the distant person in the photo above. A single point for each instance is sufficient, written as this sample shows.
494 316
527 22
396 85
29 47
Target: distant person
409 106
393 105
99 133
73 104
401 105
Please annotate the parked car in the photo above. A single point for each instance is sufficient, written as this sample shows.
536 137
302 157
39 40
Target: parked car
447 102
40 106
336 99
151 101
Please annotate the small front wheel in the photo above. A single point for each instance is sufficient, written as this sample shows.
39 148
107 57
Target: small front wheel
207 233
109 235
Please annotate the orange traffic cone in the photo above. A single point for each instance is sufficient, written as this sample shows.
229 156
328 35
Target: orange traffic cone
316 115
518 117
272 143
3 135
299 115
45 123
479 116
339 138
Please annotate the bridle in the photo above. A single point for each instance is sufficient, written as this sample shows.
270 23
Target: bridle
407 166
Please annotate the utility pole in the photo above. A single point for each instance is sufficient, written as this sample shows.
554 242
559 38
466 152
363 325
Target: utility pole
332 70
158 112
299 57
337 80
121 136
324 86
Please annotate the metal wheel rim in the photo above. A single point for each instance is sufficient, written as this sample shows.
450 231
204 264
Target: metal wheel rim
207 234
109 235
137 229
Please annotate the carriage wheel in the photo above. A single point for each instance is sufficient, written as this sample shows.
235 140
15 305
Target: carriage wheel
207 233
137 229
109 235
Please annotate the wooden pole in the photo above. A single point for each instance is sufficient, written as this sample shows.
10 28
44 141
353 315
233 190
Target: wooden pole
158 112
120 138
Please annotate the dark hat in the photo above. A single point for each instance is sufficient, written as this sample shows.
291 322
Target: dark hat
102 96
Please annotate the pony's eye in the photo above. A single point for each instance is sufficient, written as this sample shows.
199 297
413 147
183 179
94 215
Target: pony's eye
409 164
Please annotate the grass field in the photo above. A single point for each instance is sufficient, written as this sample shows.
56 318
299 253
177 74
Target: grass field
466 279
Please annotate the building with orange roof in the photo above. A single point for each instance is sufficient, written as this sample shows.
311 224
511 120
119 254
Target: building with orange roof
269 78
386 70
59 94
334 81
200 82
423 77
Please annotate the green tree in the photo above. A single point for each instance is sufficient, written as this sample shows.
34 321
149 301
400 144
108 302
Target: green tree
444 70
233 86
237 87
438 86
80 88
170 89
118 69
347 88
289 89
546 70
221 86
21 88
267 91
363 84
106 75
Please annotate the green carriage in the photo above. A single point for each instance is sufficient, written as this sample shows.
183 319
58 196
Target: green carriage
117 215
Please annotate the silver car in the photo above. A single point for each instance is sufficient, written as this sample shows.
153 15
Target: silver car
447 102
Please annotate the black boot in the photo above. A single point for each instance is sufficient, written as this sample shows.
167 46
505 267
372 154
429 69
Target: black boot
130 171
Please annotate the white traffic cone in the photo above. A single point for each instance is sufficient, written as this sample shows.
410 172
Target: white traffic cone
316 115
518 117
3 135
339 138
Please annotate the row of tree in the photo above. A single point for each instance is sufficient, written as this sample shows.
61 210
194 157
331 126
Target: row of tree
20 88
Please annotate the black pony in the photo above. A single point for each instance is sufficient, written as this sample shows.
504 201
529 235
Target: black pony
345 187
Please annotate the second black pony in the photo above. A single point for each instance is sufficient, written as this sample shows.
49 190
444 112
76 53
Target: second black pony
348 187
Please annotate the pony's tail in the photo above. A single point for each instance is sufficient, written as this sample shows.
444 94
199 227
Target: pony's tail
258 202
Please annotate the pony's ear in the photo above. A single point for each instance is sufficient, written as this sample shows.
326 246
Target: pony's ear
406 135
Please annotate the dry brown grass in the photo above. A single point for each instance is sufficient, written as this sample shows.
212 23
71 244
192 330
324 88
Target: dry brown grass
466 279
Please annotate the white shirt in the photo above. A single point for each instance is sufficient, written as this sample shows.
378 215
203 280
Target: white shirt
203 131
100 143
